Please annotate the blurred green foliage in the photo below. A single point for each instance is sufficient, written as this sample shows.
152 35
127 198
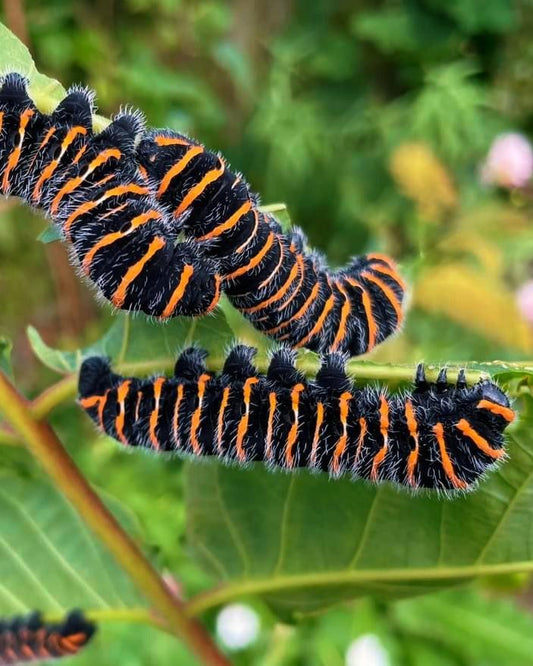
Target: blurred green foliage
370 120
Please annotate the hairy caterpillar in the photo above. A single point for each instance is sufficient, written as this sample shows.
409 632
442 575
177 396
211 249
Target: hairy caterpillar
91 187
28 638
122 197
436 436
285 293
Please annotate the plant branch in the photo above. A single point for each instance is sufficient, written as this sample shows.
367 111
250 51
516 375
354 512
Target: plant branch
44 444
65 389
359 578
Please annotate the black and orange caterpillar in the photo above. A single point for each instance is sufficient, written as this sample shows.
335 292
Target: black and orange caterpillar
123 197
437 436
91 187
28 638
285 292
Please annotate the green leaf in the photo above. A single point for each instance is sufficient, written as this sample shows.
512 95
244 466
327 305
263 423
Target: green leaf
6 347
280 212
483 630
49 235
305 542
45 91
141 343
49 559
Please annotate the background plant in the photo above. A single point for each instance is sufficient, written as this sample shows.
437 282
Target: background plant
372 124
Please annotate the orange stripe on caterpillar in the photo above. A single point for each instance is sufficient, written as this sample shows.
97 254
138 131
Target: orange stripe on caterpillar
316 436
72 184
293 432
446 462
14 156
154 415
328 306
272 403
388 292
134 271
111 238
384 424
478 440
412 426
254 262
505 412
344 408
122 394
49 170
220 419
178 292
209 178
242 428
177 168
367 305
197 414
230 223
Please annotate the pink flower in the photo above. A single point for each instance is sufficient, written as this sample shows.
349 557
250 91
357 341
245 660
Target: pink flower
509 162
524 299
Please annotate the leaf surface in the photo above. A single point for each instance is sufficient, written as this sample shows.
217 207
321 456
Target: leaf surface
304 542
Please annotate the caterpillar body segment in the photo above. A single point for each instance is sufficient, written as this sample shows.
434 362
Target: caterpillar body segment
91 186
286 292
437 436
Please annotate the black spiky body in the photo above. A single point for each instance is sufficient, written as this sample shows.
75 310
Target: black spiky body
91 187
286 292
28 638
436 436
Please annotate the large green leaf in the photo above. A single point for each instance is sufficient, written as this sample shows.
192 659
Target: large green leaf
49 560
304 542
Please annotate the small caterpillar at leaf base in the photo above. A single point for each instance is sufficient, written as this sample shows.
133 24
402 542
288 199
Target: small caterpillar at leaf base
29 638
436 436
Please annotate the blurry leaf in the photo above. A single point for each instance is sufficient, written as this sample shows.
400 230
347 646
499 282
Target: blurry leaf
469 241
482 630
395 29
6 348
476 301
49 235
233 60
140 342
280 212
497 16
50 560
304 542
423 179
451 112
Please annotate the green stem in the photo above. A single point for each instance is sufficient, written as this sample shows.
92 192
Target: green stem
44 444
65 389
363 578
